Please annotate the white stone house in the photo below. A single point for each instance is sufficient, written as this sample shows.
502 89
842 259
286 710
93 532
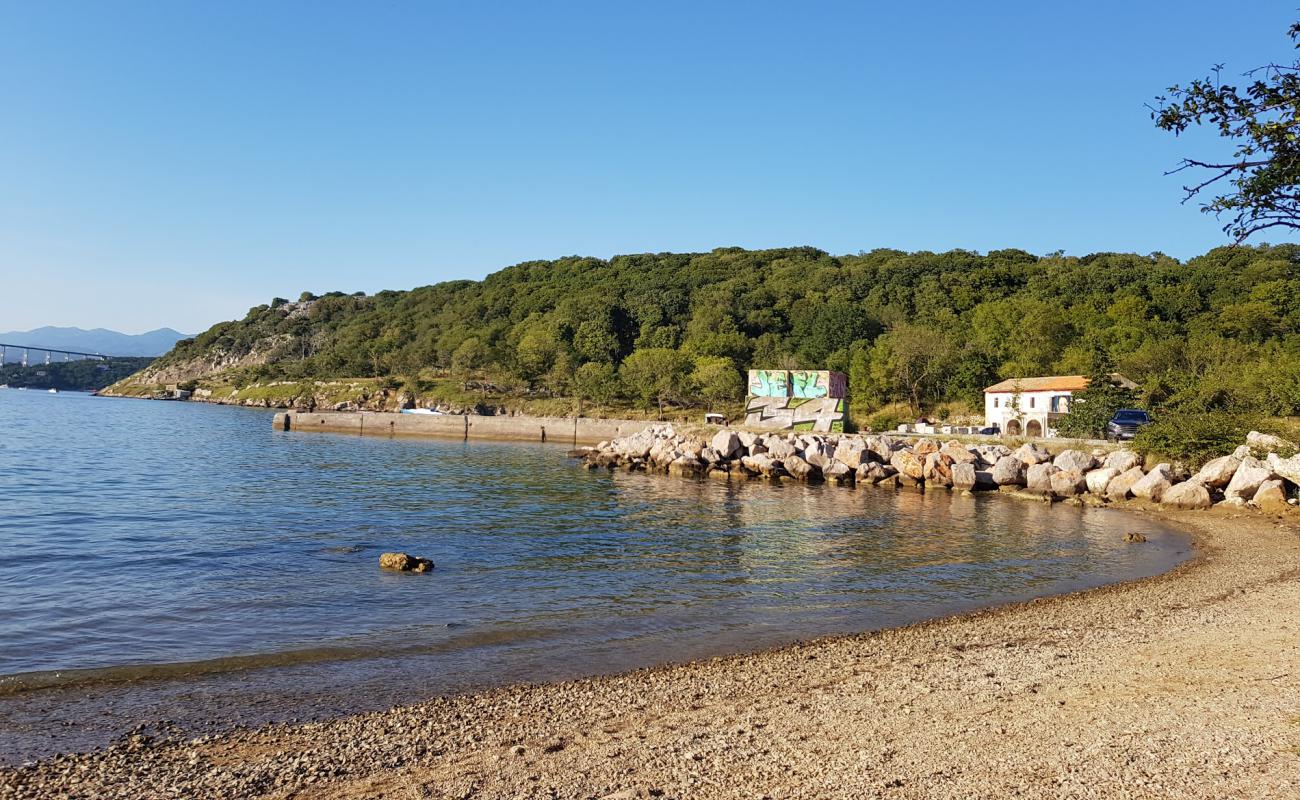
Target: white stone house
1032 406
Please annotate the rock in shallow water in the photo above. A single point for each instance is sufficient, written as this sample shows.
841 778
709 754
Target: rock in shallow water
404 562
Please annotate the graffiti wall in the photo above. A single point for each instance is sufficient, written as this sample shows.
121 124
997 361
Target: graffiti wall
804 400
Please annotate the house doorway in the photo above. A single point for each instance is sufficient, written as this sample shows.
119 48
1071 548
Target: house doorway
1013 427
1033 428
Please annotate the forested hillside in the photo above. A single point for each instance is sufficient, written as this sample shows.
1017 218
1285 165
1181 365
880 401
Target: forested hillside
1220 332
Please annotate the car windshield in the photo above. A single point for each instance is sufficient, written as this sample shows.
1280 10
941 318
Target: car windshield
1130 415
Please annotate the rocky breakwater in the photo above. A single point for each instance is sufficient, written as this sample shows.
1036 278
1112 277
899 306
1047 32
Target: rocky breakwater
1263 473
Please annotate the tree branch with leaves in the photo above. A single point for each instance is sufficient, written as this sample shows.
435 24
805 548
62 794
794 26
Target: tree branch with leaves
1259 185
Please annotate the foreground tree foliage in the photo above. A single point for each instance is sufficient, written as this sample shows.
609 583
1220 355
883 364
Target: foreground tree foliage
1260 121
1220 333
1093 407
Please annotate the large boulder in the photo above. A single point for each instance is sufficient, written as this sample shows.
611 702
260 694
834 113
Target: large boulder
1247 479
404 562
882 447
1156 482
799 468
925 447
958 454
938 469
761 464
1268 442
990 453
1288 468
1038 477
907 463
838 472
1188 494
726 443
1217 474
872 472
685 465
1031 454
817 457
1009 471
1271 497
1068 482
779 448
1123 460
852 453
963 475
1099 479
1121 486
1075 460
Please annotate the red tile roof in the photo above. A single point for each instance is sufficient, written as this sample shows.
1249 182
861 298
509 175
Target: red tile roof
1050 383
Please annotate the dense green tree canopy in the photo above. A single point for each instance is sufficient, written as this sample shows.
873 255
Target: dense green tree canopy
1221 331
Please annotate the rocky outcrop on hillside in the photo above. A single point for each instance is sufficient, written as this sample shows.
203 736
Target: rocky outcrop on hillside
1248 477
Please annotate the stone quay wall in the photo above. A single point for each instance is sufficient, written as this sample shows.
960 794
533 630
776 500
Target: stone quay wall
560 430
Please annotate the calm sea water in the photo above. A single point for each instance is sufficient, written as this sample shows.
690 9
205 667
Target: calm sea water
186 562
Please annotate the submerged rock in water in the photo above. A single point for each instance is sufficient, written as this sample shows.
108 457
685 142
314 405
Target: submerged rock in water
404 562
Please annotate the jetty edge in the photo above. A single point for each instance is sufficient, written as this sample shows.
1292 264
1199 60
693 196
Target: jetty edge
560 430
1257 475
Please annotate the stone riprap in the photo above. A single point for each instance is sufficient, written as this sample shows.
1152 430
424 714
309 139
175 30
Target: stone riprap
892 461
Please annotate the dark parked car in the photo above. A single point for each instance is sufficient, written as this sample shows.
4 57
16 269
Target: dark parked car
1125 424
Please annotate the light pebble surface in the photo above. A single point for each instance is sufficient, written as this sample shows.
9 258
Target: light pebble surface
1182 686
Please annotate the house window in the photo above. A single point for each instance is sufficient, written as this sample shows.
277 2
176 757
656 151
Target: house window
1031 402
1059 402
995 402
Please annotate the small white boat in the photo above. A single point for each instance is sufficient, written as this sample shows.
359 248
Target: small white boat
52 391
433 411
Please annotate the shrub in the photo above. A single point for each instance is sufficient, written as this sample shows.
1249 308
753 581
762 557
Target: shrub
1194 437
885 421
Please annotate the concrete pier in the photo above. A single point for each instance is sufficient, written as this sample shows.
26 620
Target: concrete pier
560 430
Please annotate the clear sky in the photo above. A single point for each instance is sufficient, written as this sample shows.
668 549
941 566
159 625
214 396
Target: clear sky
174 163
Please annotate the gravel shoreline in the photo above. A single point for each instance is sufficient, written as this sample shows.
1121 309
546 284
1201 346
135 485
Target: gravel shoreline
1182 685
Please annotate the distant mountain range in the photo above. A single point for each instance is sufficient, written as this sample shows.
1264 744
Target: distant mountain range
99 340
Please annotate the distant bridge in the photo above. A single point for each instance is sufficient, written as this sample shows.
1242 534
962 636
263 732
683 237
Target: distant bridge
50 353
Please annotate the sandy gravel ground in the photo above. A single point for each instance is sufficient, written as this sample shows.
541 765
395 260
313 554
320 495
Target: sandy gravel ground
1187 685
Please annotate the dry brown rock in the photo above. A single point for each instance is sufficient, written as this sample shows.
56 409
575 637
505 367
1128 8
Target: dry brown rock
1247 479
958 454
907 463
1123 460
1217 473
1068 483
938 469
963 475
1188 494
1009 471
1076 460
925 447
1038 478
1031 454
1271 497
1156 482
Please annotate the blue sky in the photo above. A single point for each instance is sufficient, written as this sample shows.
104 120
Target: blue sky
176 163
